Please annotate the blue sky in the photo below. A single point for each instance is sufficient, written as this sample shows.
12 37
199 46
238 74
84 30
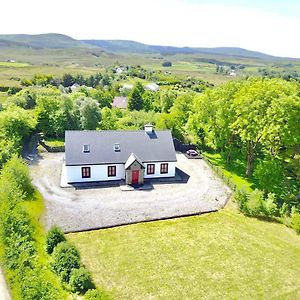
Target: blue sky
269 26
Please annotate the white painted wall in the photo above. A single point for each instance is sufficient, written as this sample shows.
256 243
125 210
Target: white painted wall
98 173
171 170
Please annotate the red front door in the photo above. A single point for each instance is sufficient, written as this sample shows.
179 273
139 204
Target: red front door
135 177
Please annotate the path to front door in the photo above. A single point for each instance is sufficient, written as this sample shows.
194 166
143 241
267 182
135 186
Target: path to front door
135 177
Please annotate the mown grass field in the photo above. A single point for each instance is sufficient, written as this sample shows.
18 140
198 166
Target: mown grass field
222 255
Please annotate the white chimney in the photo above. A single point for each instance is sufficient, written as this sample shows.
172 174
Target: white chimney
148 128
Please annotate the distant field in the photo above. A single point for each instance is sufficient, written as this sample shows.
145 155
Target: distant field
8 75
90 60
220 255
8 64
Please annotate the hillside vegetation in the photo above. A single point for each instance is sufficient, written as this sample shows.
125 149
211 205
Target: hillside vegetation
52 53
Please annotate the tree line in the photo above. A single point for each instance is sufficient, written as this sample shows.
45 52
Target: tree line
256 123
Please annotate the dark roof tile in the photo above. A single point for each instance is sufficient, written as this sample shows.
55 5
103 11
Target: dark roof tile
157 146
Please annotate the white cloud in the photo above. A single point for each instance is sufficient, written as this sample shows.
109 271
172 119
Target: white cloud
156 22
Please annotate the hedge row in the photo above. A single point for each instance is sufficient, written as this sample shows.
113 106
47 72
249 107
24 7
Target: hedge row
66 264
256 204
28 275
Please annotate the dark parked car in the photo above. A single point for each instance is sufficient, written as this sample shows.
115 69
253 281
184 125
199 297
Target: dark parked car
192 153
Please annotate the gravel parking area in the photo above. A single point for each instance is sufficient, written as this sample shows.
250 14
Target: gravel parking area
99 207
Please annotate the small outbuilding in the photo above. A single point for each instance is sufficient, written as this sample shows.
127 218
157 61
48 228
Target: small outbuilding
120 102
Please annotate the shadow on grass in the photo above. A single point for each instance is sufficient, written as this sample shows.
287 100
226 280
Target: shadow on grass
236 167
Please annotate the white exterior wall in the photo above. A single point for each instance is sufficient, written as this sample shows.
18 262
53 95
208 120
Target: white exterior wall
98 173
171 170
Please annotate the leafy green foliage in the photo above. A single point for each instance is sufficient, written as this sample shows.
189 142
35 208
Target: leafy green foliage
65 257
16 123
37 286
269 174
255 204
16 171
135 98
81 280
20 254
96 294
254 118
295 222
90 115
53 238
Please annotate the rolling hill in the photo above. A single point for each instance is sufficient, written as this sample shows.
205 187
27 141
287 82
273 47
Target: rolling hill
57 53
49 40
124 46
60 41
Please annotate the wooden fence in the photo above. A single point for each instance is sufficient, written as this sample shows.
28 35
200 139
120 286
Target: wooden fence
179 146
221 175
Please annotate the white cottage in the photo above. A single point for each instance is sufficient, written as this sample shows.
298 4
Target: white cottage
119 154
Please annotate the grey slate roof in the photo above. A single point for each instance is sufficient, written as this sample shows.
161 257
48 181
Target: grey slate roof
155 147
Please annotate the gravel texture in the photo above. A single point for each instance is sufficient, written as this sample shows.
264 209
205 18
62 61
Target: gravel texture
99 207
4 290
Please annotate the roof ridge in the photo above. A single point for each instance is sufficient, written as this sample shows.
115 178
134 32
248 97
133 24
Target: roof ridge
116 130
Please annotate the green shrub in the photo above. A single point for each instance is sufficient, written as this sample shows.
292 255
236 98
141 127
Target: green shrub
35 286
65 257
17 237
53 238
255 204
81 281
96 295
16 170
295 222
241 197
270 206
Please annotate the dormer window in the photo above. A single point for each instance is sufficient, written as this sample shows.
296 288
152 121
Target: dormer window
117 147
86 148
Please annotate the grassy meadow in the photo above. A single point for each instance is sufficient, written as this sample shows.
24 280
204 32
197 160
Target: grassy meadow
29 62
222 255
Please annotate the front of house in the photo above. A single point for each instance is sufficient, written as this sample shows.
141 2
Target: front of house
119 155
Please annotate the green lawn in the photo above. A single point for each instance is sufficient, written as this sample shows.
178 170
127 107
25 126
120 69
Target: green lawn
221 255
235 171
54 142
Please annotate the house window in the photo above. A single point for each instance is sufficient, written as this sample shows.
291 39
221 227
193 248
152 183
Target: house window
151 169
86 172
163 168
86 148
111 171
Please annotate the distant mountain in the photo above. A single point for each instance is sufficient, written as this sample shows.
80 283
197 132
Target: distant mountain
48 40
119 46
60 41
9 44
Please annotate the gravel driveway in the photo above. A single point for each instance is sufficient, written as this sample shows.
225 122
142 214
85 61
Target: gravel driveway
83 209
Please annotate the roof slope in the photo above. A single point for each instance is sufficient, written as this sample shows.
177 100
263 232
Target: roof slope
120 102
154 147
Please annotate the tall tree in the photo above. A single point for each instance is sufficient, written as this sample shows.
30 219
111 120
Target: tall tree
135 98
90 115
